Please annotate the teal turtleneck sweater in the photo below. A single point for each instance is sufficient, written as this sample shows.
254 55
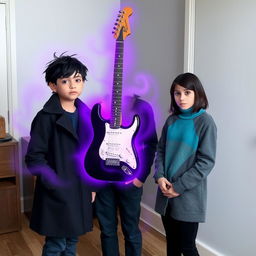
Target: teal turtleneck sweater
182 141
185 156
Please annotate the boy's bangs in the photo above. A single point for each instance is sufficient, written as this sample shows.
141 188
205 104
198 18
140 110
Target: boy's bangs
70 70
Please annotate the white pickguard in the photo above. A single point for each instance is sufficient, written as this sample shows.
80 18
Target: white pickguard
117 144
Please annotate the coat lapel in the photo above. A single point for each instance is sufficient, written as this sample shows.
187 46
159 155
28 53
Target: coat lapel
53 106
64 122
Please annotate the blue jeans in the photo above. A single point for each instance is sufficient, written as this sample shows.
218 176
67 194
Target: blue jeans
127 199
57 246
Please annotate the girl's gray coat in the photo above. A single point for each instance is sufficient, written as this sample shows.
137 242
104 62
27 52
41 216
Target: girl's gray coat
190 181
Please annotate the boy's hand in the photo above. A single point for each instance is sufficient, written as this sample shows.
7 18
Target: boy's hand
137 183
93 196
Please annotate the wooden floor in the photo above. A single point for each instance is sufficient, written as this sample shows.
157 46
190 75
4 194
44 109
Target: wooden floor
28 243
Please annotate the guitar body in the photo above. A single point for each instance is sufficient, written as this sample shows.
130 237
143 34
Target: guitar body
112 155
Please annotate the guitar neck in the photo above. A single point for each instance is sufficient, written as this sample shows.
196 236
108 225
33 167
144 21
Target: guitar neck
116 104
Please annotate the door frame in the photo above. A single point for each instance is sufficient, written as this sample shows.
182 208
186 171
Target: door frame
11 64
189 36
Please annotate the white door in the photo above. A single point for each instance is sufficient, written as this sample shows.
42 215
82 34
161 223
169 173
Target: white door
225 54
3 66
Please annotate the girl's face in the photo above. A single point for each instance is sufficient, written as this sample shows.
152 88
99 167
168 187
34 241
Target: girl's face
184 98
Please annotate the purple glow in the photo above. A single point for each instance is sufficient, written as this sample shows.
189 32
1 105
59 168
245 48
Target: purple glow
146 130
99 58
80 155
49 177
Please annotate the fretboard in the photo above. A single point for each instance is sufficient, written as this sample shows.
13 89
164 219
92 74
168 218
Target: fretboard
116 104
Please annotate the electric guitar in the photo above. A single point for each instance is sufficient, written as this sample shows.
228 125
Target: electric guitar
112 155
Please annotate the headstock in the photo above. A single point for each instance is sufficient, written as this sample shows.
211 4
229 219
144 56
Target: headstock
122 26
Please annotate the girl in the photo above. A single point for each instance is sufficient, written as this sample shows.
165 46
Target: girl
185 156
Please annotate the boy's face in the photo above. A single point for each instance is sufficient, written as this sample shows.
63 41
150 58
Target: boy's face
68 88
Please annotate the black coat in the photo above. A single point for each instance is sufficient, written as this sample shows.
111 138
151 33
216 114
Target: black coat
62 201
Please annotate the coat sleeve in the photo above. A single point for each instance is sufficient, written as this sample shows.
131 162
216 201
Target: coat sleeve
36 157
160 154
205 160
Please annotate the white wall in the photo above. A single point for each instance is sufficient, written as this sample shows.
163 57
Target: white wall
225 56
224 60
82 27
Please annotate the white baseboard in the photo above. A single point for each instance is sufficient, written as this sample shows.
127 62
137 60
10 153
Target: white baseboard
153 219
26 203
22 204
206 250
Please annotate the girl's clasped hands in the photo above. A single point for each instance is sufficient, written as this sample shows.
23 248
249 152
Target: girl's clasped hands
167 188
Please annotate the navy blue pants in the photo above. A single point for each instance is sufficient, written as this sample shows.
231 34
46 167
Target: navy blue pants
180 236
127 199
56 246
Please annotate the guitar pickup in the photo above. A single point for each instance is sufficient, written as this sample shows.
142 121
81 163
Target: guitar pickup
112 162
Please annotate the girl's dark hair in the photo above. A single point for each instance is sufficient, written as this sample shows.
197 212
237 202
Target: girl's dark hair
64 66
190 82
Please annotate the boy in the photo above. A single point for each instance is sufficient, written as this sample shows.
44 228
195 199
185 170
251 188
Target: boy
62 207
127 197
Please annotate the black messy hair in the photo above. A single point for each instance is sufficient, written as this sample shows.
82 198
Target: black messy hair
64 66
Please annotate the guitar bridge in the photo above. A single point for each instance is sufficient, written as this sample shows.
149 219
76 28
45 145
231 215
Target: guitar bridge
112 162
